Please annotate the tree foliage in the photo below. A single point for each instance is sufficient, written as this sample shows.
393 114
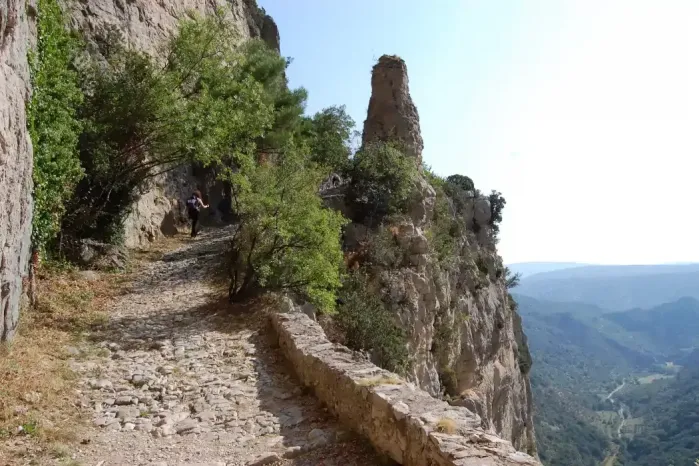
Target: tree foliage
497 204
286 240
369 325
512 278
383 179
447 225
208 103
53 124
329 133
461 182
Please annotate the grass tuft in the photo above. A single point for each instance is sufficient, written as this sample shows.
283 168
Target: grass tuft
446 426
380 380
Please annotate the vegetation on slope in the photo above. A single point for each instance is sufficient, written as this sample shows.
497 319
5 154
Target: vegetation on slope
581 354
53 123
670 410
286 239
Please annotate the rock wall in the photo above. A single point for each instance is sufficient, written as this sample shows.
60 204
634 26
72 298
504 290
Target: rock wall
402 421
392 115
462 327
146 25
17 34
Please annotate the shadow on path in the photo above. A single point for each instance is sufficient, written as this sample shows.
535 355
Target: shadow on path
210 370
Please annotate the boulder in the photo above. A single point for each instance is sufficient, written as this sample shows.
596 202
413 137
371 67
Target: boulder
481 212
99 256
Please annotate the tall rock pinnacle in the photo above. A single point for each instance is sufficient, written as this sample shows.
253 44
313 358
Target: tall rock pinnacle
392 115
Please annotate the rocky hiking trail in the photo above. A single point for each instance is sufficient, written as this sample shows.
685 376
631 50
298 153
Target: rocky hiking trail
179 377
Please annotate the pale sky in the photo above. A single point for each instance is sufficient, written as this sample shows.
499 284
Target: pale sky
583 113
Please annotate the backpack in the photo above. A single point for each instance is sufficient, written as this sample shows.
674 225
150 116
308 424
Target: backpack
192 205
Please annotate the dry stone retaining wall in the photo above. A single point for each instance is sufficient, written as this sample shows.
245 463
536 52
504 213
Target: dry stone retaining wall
399 419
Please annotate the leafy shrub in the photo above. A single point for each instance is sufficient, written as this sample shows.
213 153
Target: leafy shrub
369 326
53 124
460 190
384 250
447 226
383 179
464 183
512 279
482 265
497 204
329 132
286 239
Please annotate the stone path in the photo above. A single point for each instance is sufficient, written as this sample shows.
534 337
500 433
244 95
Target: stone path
179 378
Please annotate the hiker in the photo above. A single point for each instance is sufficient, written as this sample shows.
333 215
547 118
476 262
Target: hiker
195 203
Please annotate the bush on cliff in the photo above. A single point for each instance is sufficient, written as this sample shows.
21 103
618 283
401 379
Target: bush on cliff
383 179
287 240
329 133
461 190
368 325
446 226
497 204
53 123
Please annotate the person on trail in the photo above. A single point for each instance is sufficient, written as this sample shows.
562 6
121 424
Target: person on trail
195 203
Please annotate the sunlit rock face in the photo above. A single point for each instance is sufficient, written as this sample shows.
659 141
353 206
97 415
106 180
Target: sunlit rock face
464 333
17 36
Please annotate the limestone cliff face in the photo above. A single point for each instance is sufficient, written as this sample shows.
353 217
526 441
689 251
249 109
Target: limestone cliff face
464 333
17 34
146 25
392 115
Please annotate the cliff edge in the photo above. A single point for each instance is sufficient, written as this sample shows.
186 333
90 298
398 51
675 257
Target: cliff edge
464 334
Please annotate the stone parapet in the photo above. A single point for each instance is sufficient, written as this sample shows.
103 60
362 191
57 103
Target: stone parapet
399 419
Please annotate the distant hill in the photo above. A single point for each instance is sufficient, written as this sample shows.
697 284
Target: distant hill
670 330
582 352
530 268
671 420
637 337
575 346
529 305
617 288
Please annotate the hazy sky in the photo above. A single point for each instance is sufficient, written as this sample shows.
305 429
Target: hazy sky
583 113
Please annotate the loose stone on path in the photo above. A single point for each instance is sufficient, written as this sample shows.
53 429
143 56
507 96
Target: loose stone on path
185 384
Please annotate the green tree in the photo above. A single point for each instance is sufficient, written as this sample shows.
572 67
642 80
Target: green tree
462 182
497 204
53 124
511 278
329 133
383 179
460 190
446 226
265 66
286 240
